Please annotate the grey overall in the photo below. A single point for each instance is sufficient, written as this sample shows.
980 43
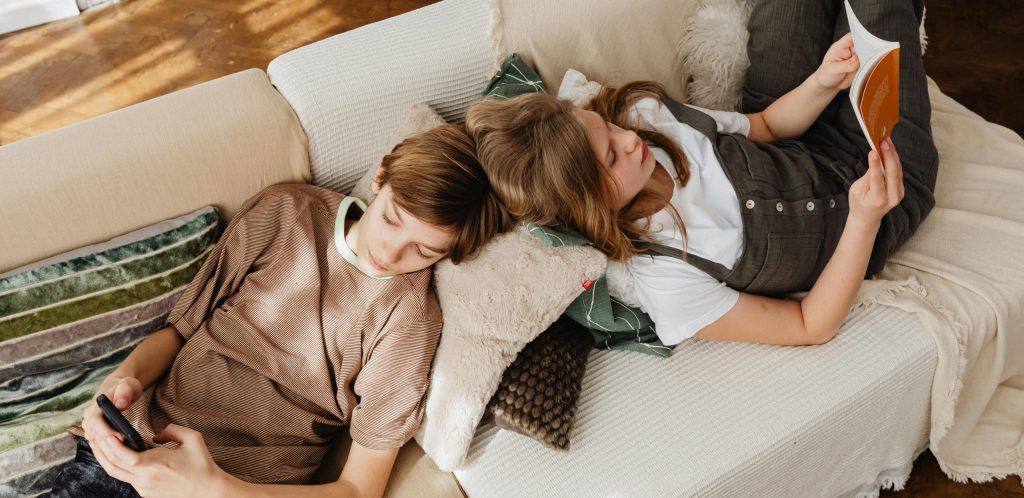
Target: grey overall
793 193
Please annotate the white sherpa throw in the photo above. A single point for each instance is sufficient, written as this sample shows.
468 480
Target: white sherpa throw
493 306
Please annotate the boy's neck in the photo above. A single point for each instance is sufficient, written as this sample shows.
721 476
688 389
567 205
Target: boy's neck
351 233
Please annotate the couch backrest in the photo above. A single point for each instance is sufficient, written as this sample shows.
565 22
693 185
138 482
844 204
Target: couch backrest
215 143
351 90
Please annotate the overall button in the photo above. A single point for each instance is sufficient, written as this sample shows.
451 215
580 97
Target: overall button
810 206
750 204
831 203
778 207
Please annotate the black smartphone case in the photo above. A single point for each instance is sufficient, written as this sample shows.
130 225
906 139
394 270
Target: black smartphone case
113 416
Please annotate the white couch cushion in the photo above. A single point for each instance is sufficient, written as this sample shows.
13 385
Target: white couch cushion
731 419
351 89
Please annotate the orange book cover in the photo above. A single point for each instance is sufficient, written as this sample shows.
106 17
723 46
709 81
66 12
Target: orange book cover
880 100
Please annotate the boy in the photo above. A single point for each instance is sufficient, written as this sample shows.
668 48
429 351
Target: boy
306 316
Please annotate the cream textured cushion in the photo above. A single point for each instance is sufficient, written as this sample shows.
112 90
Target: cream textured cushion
215 143
588 36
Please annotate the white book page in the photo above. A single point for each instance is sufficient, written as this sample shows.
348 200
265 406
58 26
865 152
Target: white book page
870 49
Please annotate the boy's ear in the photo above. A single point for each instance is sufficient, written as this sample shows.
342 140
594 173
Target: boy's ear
375 185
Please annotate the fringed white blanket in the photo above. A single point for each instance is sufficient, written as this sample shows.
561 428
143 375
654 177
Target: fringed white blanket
963 276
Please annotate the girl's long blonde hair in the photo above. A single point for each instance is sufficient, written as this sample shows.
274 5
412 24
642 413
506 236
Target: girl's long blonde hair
535 151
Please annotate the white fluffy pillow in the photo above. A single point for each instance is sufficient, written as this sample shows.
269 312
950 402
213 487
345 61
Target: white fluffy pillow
493 306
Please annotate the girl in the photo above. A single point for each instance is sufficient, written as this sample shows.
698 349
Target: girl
717 211
313 311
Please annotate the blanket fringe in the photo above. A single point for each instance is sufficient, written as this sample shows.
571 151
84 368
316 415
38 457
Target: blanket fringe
912 284
891 483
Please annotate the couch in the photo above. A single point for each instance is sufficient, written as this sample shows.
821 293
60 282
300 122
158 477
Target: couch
714 419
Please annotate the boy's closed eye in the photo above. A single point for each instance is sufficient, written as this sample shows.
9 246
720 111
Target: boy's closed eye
419 249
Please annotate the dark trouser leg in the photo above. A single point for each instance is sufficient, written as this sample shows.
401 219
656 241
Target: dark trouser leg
85 478
788 39
899 20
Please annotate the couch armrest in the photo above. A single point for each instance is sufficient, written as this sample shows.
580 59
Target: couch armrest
351 89
215 143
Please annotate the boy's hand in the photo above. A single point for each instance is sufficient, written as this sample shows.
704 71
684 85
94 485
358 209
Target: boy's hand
122 391
187 470
878 191
839 65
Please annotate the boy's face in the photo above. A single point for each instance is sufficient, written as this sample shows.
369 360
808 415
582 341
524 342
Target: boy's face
391 241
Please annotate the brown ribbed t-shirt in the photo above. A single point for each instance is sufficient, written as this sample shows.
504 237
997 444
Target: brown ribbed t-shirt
286 342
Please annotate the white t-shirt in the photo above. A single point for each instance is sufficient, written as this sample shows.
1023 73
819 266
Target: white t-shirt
680 298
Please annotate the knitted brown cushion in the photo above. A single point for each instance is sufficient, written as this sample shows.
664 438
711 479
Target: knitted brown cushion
538 391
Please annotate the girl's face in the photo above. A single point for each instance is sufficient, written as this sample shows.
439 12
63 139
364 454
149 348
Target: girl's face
622 151
391 241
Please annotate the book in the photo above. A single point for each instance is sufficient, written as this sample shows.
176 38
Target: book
875 91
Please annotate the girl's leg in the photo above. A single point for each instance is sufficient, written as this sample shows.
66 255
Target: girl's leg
899 20
85 478
788 39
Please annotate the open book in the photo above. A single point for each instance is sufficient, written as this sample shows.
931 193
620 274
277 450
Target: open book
875 91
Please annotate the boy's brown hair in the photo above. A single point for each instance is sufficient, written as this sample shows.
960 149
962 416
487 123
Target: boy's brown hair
436 177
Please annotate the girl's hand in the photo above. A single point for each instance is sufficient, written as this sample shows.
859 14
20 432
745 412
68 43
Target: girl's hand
878 191
187 470
839 65
122 391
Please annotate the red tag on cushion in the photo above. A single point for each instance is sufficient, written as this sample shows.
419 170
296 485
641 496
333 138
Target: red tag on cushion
587 284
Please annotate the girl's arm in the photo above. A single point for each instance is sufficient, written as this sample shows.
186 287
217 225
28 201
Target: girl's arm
145 365
188 470
817 318
794 112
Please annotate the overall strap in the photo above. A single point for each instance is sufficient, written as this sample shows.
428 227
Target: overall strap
692 117
706 125
716 270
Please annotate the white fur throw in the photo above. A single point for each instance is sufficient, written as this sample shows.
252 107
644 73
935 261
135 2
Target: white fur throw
493 306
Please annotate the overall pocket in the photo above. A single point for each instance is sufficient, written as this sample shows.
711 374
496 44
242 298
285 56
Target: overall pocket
788 264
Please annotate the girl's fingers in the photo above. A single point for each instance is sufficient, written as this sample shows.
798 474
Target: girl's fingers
876 180
893 172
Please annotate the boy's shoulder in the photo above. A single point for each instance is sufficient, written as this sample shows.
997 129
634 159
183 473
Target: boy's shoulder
300 192
417 301
299 197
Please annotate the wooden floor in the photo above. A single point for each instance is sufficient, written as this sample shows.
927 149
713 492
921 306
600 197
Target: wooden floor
108 58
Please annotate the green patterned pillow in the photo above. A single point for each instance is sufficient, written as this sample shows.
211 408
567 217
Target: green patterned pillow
66 322
515 77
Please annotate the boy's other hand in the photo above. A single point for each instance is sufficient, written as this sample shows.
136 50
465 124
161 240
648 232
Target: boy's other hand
122 391
839 65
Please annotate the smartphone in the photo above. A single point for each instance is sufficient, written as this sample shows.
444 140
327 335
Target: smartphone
113 416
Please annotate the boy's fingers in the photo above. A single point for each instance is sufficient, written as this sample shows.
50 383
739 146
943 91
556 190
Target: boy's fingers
123 394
